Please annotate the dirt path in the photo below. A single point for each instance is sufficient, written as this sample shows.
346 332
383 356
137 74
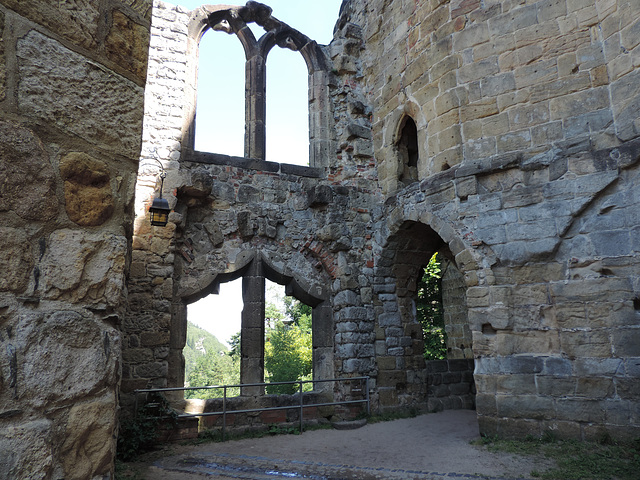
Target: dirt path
433 446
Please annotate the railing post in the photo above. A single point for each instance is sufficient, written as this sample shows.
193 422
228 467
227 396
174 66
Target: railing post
366 386
224 412
301 407
135 404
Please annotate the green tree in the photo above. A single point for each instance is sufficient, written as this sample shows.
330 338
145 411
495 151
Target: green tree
430 312
214 368
199 343
299 313
287 356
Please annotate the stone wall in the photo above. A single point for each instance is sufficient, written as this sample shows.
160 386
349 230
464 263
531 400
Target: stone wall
71 103
454 303
450 385
527 167
526 178
303 227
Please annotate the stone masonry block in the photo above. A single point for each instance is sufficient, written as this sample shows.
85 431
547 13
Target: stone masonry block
102 107
525 406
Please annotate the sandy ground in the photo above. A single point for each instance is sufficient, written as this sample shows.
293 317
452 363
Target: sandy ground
433 446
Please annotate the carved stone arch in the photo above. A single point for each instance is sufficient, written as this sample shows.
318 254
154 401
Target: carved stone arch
310 288
398 171
405 249
300 279
292 39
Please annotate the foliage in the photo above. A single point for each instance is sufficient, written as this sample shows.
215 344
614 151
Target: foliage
199 343
287 356
577 460
298 312
430 313
234 344
288 353
288 347
214 368
139 434
127 472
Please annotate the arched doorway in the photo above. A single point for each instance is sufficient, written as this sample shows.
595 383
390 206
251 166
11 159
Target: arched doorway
405 378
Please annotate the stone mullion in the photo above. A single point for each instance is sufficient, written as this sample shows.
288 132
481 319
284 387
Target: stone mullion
320 120
322 338
252 336
255 108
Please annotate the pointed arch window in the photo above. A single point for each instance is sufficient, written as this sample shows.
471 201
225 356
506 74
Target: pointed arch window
237 21
408 151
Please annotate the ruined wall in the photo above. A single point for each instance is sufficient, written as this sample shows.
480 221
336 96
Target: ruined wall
71 102
309 224
527 176
527 120
454 303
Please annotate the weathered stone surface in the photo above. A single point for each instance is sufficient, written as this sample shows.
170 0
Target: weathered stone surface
76 20
89 351
87 189
62 290
27 185
102 108
26 453
84 267
127 43
16 258
3 65
86 453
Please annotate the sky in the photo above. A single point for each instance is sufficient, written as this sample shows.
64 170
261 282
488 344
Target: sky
220 118
220 112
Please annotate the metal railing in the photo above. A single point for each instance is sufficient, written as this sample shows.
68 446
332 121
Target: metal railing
224 412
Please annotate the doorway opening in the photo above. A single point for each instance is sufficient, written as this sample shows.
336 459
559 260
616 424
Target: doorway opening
426 357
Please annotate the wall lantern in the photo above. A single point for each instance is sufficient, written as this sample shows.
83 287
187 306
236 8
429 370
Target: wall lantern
159 210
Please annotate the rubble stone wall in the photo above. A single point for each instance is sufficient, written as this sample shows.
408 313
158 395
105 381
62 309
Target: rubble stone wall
525 178
527 168
308 225
71 100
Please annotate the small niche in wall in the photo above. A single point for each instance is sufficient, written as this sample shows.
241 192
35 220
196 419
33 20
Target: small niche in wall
408 151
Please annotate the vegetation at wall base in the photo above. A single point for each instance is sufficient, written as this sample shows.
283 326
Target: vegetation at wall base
140 433
575 460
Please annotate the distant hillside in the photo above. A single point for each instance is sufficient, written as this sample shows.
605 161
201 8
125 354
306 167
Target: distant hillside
199 343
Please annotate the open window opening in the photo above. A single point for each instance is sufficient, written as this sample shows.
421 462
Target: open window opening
212 349
287 110
220 115
408 151
255 330
288 350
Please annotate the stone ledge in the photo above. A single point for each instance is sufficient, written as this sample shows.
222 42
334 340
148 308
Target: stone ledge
252 164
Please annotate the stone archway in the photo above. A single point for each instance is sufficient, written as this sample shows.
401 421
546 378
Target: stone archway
404 379
254 267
